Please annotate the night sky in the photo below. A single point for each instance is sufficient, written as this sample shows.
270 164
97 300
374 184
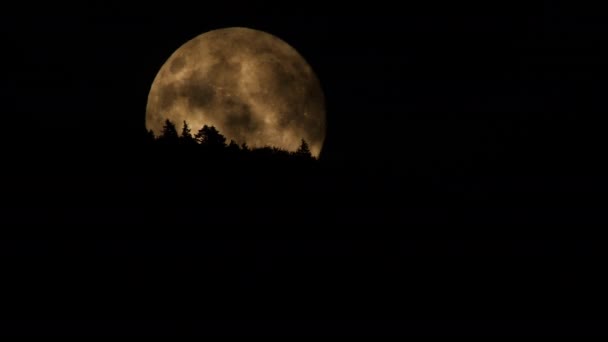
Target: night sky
493 77
465 143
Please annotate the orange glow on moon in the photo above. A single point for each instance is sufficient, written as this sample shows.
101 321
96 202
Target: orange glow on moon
252 86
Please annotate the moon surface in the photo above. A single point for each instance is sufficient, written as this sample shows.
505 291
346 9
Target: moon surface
252 86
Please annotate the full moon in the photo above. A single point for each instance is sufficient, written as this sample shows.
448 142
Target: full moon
252 86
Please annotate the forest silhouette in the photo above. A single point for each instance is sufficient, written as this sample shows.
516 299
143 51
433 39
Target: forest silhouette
209 142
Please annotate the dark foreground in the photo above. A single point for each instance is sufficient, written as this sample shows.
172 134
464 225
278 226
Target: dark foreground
144 246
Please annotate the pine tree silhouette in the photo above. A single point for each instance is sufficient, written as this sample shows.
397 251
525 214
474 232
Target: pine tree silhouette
150 137
303 151
169 133
186 137
210 137
233 147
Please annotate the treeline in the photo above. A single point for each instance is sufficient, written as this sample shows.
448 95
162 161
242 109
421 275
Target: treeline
210 141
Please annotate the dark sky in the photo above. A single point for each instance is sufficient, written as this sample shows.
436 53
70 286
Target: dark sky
426 79
460 88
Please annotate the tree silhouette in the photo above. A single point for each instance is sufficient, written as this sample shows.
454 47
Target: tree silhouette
303 151
233 147
150 138
186 137
213 144
209 136
169 133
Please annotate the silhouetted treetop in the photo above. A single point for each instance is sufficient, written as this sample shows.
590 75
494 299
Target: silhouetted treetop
303 151
186 136
169 133
150 137
209 136
233 146
210 139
